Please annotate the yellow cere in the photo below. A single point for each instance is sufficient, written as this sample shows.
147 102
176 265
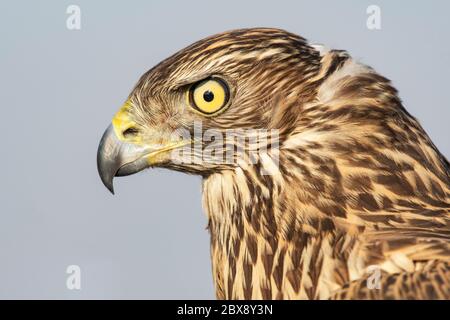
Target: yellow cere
209 96
122 121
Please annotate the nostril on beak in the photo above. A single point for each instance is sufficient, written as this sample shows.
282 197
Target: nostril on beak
130 132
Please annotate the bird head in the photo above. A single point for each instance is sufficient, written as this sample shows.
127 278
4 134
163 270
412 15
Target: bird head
240 80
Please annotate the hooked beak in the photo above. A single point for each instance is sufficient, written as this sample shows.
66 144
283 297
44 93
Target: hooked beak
119 158
121 155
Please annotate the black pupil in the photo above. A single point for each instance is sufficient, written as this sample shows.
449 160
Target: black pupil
208 96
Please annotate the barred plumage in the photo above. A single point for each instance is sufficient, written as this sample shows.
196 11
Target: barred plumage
357 182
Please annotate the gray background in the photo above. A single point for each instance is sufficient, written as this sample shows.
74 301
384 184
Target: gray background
60 88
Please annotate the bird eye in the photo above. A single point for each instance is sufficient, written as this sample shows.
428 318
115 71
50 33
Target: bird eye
209 96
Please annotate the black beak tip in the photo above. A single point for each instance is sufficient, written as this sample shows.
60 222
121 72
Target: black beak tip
110 187
106 178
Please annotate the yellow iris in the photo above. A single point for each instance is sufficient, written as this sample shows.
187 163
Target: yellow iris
209 96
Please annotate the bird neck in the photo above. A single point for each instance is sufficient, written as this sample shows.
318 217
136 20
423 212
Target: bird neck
261 245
